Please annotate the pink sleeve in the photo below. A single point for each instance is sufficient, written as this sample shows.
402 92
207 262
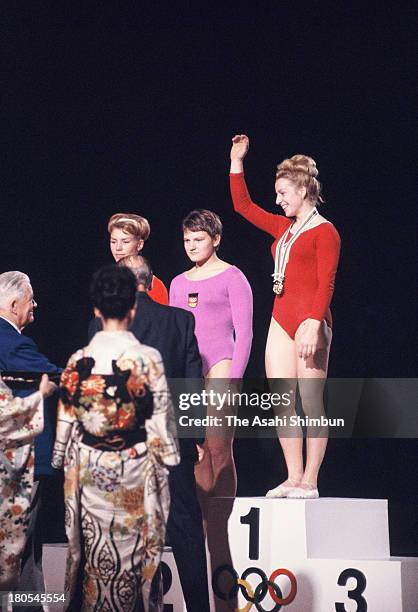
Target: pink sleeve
241 301
173 298
328 252
268 222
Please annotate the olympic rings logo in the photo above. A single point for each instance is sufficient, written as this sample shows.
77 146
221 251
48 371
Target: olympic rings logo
255 596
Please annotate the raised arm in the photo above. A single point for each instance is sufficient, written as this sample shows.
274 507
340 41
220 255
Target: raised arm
241 300
268 222
239 149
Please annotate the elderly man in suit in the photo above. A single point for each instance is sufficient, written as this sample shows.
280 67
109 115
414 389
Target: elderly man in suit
171 331
20 353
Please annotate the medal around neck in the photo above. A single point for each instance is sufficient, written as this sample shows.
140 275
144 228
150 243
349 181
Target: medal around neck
283 251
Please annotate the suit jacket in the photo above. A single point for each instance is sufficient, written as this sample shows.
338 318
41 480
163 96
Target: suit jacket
171 331
20 353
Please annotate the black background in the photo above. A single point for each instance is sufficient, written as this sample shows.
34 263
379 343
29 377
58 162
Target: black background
111 107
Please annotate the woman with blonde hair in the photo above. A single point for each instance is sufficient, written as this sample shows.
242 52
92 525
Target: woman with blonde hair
128 233
305 251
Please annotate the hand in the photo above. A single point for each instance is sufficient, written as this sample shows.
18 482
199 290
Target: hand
47 387
240 146
309 338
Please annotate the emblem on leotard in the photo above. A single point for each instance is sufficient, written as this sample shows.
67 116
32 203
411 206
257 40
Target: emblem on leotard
193 299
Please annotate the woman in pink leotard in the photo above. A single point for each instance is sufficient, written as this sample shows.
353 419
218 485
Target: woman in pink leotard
220 298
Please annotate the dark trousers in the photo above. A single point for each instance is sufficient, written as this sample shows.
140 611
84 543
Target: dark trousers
185 535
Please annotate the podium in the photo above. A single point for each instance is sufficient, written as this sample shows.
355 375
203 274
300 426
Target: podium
323 555
327 554
294 555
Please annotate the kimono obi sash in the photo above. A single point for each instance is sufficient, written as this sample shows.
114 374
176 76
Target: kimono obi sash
110 408
116 442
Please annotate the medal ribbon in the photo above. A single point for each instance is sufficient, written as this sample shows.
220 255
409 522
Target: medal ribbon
283 251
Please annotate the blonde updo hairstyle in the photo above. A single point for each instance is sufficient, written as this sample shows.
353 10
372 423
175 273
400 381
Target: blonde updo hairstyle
132 224
302 171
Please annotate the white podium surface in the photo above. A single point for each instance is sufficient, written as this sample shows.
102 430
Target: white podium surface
334 528
325 555
330 554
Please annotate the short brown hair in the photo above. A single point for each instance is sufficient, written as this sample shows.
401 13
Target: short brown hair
201 220
130 223
302 170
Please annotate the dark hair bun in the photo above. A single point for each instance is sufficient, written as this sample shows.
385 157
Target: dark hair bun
113 291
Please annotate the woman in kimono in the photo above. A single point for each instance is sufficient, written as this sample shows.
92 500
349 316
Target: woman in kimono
21 419
115 438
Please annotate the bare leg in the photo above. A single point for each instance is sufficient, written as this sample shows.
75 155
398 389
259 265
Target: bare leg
281 364
216 474
204 484
219 451
312 373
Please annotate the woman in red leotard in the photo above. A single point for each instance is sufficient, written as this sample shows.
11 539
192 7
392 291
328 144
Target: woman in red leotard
305 250
128 232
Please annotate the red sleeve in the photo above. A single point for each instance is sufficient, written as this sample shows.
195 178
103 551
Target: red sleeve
158 291
328 252
268 222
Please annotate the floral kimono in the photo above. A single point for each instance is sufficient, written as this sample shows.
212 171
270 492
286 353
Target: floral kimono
115 438
20 420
